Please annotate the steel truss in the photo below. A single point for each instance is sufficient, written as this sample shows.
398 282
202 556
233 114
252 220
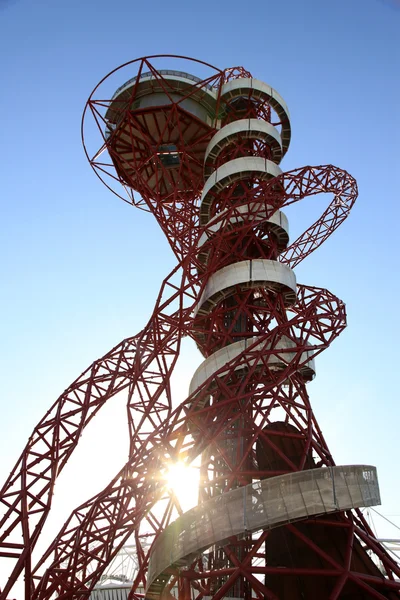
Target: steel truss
249 418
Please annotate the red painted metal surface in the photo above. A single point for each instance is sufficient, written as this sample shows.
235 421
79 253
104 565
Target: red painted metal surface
247 421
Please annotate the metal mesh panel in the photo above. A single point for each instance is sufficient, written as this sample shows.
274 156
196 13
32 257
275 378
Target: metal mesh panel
110 593
263 505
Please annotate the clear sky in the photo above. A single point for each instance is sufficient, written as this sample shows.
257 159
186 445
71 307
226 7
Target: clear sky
80 270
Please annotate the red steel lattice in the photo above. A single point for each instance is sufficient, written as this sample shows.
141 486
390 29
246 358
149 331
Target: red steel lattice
189 147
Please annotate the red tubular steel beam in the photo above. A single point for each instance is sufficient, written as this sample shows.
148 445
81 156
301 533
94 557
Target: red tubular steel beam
233 288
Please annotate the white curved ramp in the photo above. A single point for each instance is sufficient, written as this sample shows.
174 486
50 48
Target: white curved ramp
277 360
249 87
277 224
246 274
242 128
231 172
262 505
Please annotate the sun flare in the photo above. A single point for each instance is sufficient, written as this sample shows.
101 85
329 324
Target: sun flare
183 481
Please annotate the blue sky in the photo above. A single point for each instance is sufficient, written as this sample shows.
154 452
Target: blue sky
80 270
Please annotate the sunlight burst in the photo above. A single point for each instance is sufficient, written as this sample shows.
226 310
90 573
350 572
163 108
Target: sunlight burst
183 480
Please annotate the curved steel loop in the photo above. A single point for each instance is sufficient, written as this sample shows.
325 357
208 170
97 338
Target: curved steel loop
257 332
51 444
27 501
293 186
310 181
78 399
120 508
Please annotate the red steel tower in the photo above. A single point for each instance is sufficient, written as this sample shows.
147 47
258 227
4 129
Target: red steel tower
276 518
